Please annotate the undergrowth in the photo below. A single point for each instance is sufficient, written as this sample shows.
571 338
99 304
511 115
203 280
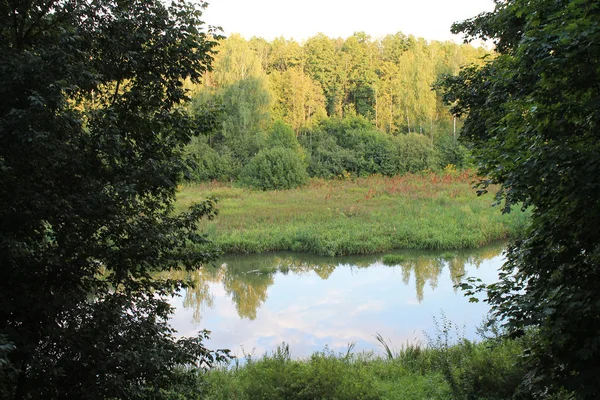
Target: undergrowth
447 367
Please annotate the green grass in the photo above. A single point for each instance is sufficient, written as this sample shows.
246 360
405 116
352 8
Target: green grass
461 370
362 216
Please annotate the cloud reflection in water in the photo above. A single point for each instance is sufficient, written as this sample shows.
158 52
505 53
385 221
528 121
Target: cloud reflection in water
256 302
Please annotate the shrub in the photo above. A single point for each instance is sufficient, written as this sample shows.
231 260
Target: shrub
206 164
275 168
451 151
415 153
327 159
282 135
374 149
490 369
351 145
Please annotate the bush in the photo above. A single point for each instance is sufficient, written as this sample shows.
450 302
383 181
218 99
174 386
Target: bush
349 145
327 159
490 369
282 135
451 151
375 151
415 153
275 168
206 164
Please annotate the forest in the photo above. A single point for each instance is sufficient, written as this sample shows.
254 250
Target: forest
274 113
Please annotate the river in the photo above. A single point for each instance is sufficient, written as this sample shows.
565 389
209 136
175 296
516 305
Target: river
251 304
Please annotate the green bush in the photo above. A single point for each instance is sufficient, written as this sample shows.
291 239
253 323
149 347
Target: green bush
327 159
282 135
451 152
350 145
490 369
275 168
374 150
415 153
206 164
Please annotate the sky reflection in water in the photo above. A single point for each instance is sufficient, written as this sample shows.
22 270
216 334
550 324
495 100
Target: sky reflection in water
254 303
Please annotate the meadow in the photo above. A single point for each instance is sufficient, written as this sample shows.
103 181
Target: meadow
356 216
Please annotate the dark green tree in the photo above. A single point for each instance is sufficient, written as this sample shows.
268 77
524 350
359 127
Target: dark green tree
533 115
91 137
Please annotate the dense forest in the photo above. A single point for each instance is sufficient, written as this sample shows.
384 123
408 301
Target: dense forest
274 111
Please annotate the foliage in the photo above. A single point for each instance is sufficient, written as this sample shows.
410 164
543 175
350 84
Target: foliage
450 151
484 370
533 115
416 153
326 159
352 145
245 117
275 168
387 82
206 163
299 99
282 135
91 141
349 101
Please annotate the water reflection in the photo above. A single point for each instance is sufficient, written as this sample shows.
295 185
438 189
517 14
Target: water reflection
246 279
309 302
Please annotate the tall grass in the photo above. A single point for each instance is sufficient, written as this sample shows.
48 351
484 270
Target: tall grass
360 216
448 367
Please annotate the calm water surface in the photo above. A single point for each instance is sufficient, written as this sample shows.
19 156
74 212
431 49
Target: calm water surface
254 303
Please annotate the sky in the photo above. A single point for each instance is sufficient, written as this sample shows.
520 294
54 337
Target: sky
299 20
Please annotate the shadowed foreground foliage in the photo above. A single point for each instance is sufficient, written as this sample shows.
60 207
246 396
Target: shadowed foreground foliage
533 126
92 131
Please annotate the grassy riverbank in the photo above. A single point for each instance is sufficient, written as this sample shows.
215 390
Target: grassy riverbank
361 216
465 370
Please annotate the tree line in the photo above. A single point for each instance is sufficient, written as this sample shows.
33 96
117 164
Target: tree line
345 106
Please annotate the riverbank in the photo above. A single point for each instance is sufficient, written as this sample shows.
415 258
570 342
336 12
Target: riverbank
360 216
463 370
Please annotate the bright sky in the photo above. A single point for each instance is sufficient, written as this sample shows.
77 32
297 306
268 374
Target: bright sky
299 20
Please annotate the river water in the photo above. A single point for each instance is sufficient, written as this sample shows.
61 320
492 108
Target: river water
252 304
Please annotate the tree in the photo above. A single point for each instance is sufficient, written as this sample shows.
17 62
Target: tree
285 54
91 136
321 55
237 96
235 61
533 116
298 99
247 105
